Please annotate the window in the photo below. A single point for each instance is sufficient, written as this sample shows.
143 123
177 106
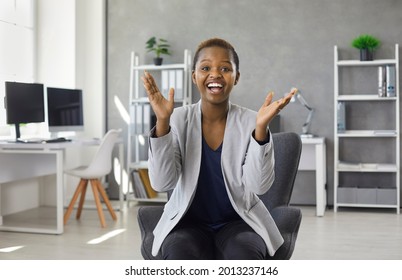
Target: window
17 48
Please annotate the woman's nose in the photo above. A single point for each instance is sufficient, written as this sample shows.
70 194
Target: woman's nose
215 73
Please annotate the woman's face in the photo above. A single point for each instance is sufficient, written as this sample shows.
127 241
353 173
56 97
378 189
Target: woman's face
215 74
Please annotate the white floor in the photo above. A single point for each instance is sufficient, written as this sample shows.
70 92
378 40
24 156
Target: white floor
349 234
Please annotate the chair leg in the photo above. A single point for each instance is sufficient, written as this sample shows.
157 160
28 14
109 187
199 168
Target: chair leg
106 200
77 192
82 199
98 203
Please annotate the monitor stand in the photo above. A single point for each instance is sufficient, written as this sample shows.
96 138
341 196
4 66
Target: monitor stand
18 137
17 133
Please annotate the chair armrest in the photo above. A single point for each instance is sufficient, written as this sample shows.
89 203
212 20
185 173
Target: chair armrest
148 217
288 220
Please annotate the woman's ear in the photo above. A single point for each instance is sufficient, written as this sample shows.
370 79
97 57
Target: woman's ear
193 76
237 78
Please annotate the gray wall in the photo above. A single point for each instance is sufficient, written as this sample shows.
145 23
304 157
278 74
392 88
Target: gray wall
281 44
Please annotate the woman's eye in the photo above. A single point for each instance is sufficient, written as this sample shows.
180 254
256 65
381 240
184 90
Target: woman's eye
205 68
225 69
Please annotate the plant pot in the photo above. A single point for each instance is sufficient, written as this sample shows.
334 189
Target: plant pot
158 60
366 55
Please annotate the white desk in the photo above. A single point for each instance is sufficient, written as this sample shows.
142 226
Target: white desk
23 161
313 157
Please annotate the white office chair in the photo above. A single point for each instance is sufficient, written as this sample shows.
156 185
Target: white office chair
100 166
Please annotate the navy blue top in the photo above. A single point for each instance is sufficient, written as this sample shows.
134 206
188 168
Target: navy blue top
211 205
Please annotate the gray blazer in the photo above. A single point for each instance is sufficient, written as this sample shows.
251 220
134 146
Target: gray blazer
247 168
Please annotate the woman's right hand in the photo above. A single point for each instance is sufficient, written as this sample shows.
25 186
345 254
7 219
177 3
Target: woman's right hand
162 107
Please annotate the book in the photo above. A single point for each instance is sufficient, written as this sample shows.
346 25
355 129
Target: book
151 193
138 186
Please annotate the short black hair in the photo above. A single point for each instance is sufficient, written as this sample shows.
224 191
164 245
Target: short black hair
216 42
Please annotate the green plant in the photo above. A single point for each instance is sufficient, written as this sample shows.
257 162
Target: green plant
159 46
365 41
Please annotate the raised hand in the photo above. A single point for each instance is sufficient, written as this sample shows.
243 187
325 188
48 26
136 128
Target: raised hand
268 111
162 107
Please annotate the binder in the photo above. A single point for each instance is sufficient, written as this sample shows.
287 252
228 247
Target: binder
382 81
138 186
390 74
147 183
341 121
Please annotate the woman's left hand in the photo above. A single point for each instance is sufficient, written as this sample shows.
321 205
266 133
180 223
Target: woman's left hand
268 111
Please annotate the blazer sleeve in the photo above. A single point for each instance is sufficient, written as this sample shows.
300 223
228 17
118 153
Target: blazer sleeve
164 161
259 166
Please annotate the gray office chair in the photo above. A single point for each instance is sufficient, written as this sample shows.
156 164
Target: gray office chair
287 147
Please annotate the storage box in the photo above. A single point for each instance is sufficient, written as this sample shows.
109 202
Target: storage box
347 194
386 195
366 195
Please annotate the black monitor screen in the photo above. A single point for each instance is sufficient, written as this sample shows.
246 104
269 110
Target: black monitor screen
24 103
65 108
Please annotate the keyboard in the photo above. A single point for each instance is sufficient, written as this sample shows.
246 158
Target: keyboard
57 140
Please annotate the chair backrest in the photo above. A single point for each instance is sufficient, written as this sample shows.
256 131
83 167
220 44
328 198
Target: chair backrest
101 163
287 149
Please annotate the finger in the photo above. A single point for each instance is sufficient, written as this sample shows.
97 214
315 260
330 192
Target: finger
146 84
171 95
152 84
146 81
268 99
292 92
289 96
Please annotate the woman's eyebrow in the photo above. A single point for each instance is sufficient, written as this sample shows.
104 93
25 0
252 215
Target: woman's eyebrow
209 60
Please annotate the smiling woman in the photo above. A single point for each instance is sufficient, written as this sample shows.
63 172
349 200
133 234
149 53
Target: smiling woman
214 208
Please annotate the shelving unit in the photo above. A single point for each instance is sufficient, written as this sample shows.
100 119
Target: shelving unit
141 115
382 173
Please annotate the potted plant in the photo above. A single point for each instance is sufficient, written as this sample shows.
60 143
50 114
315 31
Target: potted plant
366 44
159 46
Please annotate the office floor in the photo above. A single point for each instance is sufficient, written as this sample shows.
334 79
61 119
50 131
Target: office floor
345 235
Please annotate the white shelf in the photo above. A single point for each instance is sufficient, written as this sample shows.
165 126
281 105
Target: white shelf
368 133
377 62
375 169
161 198
140 100
152 67
367 167
140 119
368 205
138 165
364 97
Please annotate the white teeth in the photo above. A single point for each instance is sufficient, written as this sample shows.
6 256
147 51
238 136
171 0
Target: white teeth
215 85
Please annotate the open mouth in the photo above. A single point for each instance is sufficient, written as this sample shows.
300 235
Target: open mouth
215 87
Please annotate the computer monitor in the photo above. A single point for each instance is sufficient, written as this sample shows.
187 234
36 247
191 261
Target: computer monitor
24 103
65 109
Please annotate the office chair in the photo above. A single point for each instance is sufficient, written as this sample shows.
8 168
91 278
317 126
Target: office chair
287 149
100 166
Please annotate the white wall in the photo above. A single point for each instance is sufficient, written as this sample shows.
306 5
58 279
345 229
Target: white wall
71 53
71 43
56 39
62 44
90 62
17 48
68 51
